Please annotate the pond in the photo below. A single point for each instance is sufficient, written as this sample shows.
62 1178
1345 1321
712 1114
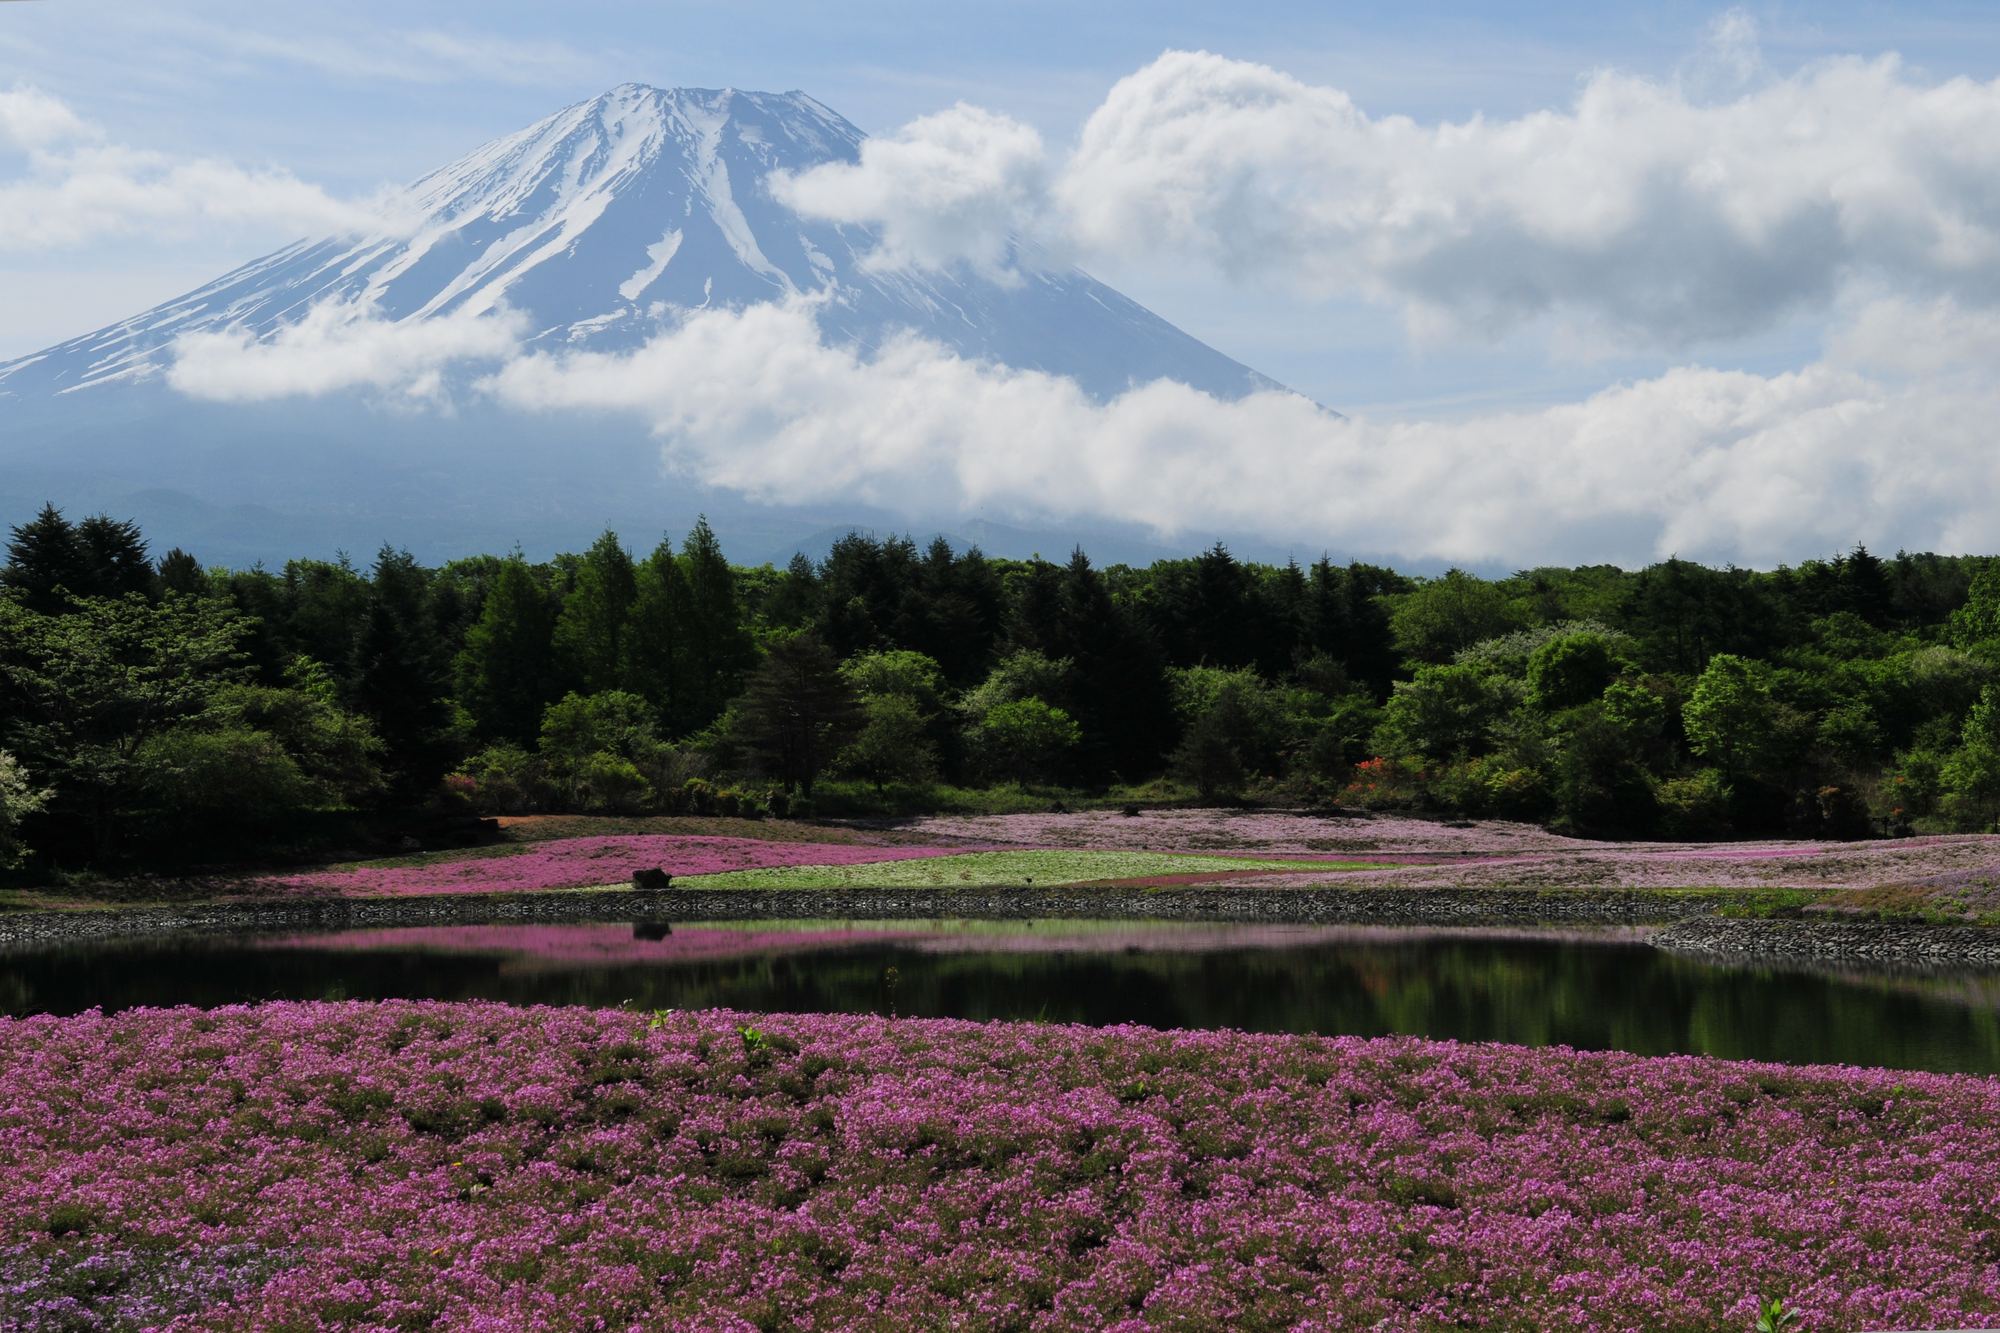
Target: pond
1593 991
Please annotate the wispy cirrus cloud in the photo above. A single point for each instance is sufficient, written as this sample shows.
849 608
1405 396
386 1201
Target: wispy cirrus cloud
73 186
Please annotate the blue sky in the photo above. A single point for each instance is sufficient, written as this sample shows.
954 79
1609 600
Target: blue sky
353 96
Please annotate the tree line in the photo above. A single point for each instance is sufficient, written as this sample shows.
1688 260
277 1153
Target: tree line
153 708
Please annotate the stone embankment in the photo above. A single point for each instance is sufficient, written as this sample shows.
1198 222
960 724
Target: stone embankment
1866 943
1386 907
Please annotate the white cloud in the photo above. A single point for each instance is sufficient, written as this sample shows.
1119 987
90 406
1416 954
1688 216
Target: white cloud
1643 212
338 347
957 186
77 188
1713 464
31 119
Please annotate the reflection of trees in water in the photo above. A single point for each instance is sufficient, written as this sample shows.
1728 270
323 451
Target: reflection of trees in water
1532 992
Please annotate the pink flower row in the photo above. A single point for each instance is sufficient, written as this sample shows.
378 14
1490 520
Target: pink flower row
568 863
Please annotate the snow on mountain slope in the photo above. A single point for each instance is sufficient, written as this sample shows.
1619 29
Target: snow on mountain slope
605 220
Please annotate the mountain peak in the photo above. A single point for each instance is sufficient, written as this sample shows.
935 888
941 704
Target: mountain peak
608 220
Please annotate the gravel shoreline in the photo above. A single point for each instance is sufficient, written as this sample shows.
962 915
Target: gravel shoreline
1866 942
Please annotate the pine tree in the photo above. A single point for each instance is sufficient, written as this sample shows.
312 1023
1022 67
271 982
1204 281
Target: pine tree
506 674
46 564
181 573
797 602
114 557
719 647
657 644
399 680
797 710
590 632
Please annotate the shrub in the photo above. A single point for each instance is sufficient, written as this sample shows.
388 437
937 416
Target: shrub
698 797
1382 783
612 784
1694 807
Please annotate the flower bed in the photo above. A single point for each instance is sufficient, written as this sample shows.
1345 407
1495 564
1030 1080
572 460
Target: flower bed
482 1167
568 863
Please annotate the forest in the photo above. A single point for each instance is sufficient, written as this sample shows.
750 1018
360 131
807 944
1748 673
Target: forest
157 712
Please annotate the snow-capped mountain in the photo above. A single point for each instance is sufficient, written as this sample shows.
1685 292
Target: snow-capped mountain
606 220
598 226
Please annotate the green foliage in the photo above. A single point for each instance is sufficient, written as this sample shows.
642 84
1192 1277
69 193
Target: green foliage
1443 712
900 672
1571 670
19 800
1677 699
589 636
1441 617
1695 807
1976 624
506 671
89 688
1774 1316
797 711
1730 716
1026 740
228 776
893 744
1969 778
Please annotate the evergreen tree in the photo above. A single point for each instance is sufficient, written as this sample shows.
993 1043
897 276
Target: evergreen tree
719 646
506 671
180 572
797 711
590 632
797 603
46 562
656 639
324 605
114 557
399 681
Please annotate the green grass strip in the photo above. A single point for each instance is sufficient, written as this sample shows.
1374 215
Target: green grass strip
982 869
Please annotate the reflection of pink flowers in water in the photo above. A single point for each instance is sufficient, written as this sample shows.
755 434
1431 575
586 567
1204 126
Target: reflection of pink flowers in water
531 948
569 863
542 947
484 1166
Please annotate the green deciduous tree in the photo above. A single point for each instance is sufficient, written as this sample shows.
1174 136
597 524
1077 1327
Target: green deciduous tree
1026 739
1730 716
1570 670
1434 620
20 799
86 691
894 743
1443 712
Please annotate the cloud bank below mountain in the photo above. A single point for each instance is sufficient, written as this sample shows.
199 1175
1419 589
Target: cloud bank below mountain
1884 439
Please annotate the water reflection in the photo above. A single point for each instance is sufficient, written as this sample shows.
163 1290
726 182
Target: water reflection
1602 991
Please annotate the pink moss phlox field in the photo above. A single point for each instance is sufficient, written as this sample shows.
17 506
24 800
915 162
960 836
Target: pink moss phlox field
480 1167
1481 854
568 863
